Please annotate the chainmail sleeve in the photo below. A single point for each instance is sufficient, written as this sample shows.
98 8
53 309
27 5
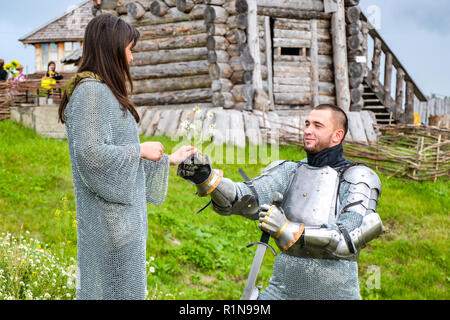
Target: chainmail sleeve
156 179
107 170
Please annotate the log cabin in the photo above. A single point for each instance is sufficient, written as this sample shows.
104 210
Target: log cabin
59 38
258 65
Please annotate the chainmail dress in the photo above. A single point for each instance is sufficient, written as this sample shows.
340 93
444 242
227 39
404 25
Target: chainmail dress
112 187
296 278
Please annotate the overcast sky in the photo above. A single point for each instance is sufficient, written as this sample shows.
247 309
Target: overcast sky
418 31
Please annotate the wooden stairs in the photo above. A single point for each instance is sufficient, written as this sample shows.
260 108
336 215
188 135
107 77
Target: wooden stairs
391 98
373 103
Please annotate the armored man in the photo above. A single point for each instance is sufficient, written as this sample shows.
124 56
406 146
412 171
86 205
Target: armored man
328 211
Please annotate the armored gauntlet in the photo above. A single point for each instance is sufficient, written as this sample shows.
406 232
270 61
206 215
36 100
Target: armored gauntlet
273 220
209 181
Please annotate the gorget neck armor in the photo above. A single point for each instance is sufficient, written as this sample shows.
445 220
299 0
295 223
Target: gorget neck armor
333 157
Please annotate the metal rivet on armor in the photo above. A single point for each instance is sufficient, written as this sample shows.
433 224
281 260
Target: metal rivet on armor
304 195
249 205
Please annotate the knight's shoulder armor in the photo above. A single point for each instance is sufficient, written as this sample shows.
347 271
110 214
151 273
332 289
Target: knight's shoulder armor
361 174
273 165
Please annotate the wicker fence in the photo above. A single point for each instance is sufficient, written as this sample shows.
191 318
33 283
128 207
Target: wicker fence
404 151
5 100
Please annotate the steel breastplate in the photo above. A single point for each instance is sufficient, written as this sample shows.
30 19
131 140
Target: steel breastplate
311 196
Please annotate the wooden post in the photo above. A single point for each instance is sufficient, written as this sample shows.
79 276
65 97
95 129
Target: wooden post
388 80
376 64
268 38
340 57
253 42
399 95
314 65
409 105
437 158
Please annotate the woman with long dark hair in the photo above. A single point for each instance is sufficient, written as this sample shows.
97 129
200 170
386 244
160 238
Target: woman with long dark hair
114 175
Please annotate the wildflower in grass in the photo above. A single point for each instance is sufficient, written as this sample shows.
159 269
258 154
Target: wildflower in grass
196 109
29 270
57 213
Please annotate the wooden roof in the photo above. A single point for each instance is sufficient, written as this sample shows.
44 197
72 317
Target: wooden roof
68 27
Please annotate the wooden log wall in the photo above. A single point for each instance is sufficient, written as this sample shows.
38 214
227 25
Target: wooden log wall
242 61
219 59
310 73
171 61
303 74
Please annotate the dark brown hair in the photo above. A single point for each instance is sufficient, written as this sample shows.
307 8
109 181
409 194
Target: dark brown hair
48 65
340 117
105 41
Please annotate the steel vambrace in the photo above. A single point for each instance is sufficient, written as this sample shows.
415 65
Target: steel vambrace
336 243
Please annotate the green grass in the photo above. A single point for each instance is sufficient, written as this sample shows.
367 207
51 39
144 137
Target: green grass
203 256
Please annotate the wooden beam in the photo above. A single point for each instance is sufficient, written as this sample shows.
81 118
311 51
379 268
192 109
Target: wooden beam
399 95
340 57
388 80
253 43
409 103
314 65
268 38
376 60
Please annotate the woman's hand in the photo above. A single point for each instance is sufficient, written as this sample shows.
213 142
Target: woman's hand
152 150
182 154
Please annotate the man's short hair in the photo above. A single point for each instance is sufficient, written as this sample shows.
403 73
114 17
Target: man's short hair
340 117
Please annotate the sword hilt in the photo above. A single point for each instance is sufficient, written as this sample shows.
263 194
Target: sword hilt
263 243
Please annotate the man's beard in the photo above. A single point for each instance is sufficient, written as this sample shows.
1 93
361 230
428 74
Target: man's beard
317 147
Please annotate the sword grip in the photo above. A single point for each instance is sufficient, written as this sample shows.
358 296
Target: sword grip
265 237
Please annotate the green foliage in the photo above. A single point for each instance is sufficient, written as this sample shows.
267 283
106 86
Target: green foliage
203 256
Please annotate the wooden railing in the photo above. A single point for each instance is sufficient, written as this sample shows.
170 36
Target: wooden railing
399 103
31 92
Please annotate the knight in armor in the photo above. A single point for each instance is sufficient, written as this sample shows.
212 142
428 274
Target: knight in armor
328 213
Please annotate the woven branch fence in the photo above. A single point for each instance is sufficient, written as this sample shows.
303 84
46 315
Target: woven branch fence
402 151
5 100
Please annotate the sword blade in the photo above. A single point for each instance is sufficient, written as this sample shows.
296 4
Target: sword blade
256 266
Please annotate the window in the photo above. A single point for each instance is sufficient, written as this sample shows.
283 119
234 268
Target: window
49 52
305 52
44 56
53 52
70 47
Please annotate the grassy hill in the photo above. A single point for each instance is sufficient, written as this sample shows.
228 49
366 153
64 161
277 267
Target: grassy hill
197 256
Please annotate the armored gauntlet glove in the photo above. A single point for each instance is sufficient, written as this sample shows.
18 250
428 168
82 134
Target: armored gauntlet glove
198 171
273 220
